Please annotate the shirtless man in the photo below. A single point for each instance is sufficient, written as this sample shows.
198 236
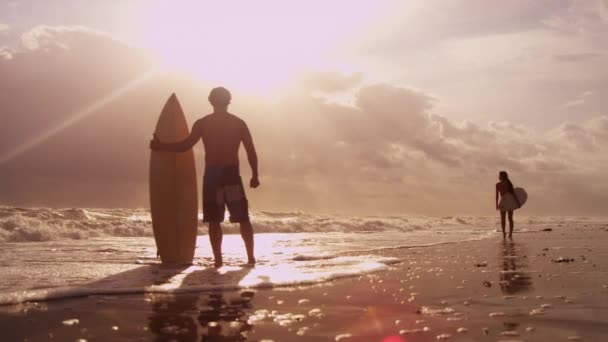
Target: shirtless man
222 134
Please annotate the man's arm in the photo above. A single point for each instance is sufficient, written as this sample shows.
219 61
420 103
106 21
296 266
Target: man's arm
181 146
252 157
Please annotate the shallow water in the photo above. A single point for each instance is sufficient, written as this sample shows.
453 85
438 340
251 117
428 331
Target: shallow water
57 253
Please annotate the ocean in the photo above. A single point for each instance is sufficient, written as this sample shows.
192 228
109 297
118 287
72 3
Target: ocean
59 253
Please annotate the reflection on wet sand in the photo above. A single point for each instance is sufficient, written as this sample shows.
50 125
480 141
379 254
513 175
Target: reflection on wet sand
203 317
173 317
226 320
513 277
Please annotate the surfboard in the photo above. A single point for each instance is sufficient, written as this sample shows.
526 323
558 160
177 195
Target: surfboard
508 203
173 191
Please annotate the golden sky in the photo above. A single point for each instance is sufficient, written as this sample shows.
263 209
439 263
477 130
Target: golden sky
356 106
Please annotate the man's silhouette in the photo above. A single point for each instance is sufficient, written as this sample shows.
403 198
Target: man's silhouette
222 134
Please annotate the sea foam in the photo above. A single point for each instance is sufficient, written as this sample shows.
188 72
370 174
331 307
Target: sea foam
46 224
57 253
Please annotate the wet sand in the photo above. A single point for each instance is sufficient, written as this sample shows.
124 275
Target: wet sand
539 286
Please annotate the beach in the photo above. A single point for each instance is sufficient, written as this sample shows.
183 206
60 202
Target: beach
304 171
549 283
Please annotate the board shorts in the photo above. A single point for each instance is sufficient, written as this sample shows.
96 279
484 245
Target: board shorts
223 187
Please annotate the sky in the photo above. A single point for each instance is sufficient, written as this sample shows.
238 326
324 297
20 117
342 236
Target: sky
356 107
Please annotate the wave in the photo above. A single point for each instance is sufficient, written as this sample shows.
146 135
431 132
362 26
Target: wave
19 225
48 224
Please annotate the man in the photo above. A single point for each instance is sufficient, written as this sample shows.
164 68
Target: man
222 134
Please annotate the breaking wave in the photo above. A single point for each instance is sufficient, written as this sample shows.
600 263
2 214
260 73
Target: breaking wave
47 224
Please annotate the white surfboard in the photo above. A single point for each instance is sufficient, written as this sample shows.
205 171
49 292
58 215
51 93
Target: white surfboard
508 203
173 191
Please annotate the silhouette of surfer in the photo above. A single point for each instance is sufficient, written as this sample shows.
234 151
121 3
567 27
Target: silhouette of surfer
222 134
504 188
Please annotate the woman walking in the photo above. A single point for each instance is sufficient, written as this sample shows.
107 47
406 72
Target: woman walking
508 201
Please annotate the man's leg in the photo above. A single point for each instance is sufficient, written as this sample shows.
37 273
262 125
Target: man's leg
215 237
247 235
503 215
510 223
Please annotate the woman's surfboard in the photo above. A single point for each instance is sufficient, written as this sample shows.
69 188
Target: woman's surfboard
173 191
508 203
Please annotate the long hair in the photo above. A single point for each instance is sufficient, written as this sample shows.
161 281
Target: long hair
504 175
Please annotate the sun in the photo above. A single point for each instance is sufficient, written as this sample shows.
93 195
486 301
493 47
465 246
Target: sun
249 45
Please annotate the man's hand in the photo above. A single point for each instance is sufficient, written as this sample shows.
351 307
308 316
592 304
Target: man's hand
155 143
254 182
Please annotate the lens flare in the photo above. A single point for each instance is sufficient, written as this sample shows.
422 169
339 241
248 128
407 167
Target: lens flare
76 116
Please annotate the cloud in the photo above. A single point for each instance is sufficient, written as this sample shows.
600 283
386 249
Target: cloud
56 74
577 57
6 53
580 100
590 136
587 18
4 28
65 37
454 48
391 141
330 81
13 4
390 150
423 24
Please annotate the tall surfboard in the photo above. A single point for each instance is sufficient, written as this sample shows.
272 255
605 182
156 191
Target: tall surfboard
173 191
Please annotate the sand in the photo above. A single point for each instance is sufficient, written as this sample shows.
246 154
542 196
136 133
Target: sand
539 286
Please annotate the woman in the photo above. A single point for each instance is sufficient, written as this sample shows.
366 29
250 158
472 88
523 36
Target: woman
505 188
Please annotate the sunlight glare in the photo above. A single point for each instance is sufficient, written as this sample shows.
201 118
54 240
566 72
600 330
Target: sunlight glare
255 46
77 116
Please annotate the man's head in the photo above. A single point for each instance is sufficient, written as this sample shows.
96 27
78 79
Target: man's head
220 97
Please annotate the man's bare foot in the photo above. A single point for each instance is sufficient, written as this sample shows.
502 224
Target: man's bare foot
251 262
218 264
510 235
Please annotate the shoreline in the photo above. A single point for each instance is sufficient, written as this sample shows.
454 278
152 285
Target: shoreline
490 289
155 267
